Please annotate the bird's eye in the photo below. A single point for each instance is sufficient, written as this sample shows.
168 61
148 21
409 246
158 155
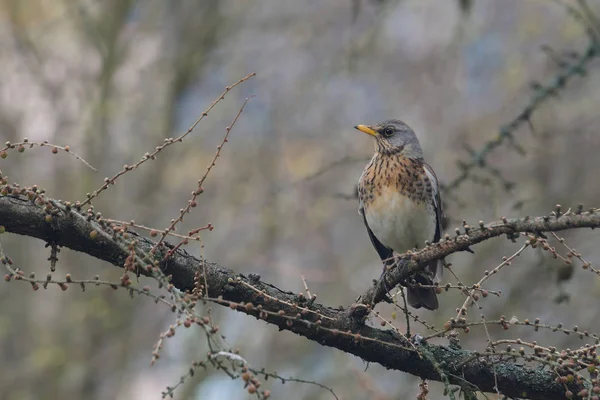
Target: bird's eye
387 132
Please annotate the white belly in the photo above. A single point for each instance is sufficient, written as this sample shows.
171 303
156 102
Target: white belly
399 223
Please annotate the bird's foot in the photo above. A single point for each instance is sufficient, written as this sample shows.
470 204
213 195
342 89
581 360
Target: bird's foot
383 287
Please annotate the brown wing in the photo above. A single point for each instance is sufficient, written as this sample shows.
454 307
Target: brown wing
436 268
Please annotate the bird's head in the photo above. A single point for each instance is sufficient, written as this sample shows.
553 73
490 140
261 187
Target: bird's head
393 137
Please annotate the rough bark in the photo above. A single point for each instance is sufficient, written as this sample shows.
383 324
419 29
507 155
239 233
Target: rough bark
339 328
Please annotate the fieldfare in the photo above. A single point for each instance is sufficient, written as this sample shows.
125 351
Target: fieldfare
401 205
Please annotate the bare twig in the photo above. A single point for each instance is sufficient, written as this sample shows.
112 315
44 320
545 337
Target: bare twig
21 146
158 149
200 189
505 261
541 94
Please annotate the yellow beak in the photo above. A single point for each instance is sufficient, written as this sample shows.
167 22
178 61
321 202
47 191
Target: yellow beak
366 129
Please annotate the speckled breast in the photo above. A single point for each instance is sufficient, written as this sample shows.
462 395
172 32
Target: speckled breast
396 197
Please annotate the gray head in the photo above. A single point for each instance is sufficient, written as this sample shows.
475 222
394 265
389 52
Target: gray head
394 137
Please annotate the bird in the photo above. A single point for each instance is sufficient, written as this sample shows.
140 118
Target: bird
400 202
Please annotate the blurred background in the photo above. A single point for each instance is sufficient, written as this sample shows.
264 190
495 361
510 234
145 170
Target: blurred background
113 78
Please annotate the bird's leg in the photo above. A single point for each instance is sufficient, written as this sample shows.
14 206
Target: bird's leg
403 300
405 312
381 281
382 277
389 299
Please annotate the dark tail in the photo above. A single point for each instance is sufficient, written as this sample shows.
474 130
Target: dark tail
422 296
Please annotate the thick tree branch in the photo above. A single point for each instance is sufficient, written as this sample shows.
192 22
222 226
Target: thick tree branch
407 265
325 325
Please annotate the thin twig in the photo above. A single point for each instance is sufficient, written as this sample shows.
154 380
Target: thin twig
167 142
20 147
306 287
506 261
200 189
